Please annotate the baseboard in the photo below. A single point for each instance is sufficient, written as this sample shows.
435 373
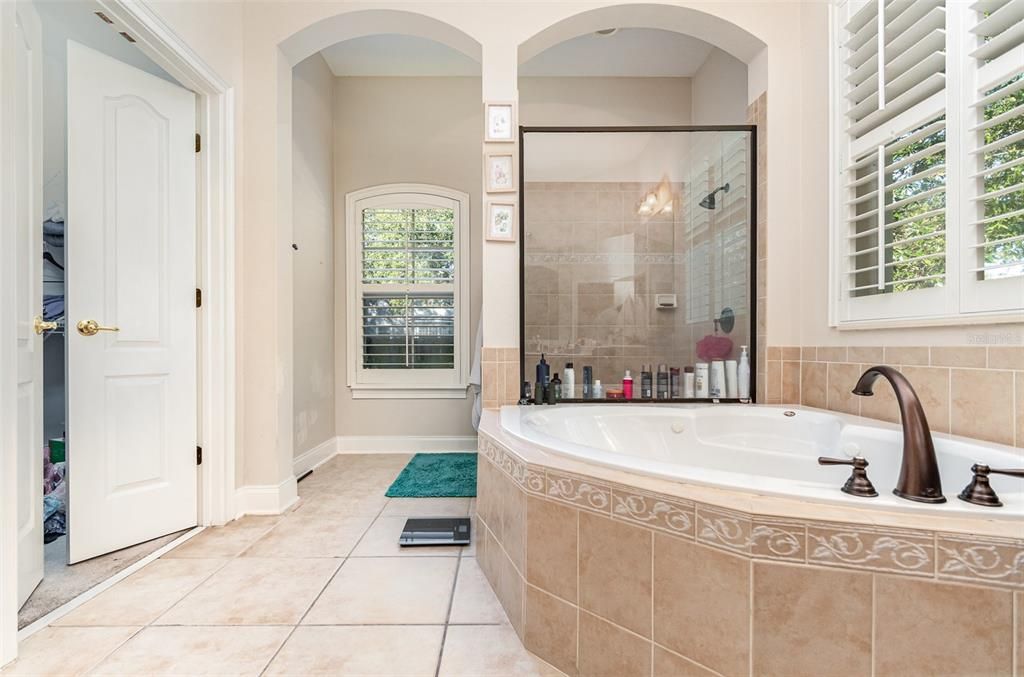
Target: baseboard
308 460
382 444
269 499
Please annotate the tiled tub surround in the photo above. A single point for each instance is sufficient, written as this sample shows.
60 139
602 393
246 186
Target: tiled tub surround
593 267
604 572
973 391
499 371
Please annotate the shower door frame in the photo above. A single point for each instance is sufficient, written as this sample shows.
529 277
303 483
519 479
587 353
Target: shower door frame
752 227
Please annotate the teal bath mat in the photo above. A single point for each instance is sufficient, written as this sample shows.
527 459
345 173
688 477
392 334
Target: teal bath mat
434 475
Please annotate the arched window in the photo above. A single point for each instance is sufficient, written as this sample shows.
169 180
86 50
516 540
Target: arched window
408 291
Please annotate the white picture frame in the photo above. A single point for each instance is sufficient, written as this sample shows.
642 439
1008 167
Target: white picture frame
501 225
499 122
500 172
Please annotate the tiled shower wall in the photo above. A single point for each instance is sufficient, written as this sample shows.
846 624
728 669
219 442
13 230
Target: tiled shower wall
974 391
593 268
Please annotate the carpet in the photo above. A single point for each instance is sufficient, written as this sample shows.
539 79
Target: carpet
433 475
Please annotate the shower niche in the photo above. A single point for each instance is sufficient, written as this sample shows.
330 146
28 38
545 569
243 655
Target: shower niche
638 256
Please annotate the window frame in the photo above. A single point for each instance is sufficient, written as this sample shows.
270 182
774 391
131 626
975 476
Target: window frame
407 383
955 303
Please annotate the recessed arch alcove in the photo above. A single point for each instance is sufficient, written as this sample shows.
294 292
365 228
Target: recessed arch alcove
377 98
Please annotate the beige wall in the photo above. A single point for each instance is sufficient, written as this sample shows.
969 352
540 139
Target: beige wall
313 226
719 91
405 130
604 101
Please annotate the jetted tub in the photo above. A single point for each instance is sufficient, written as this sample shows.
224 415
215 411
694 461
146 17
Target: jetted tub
769 450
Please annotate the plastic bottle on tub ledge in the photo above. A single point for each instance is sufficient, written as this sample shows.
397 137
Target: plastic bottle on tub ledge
716 384
663 382
743 375
627 386
700 381
569 381
588 383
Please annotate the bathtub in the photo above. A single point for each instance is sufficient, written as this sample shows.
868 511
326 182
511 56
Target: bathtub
764 450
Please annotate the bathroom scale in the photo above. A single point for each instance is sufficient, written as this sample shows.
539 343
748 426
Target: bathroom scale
435 531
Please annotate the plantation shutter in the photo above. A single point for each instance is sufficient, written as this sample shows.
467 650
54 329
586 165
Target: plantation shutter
408 288
892 245
993 234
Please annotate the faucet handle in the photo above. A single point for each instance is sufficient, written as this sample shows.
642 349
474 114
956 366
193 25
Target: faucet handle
979 491
858 484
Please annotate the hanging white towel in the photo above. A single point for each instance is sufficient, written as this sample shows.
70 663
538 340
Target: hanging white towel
474 373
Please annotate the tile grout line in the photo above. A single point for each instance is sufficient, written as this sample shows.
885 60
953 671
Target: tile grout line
334 575
448 615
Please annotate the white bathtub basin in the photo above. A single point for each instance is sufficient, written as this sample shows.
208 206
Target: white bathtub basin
761 449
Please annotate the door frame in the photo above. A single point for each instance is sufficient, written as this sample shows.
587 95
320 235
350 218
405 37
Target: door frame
215 200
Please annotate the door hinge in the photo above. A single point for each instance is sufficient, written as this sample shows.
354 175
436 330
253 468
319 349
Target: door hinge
199 455
199 297
199 142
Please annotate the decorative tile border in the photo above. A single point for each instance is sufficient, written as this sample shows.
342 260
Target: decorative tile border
920 553
863 547
655 512
969 559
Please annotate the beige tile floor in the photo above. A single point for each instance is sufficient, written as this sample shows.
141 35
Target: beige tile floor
324 589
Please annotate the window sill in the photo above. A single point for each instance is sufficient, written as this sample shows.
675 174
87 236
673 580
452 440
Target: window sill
945 321
395 392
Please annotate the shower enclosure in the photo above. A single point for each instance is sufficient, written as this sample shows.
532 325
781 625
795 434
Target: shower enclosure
638 251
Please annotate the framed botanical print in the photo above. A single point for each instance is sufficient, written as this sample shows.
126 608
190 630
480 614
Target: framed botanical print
500 121
500 168
501 222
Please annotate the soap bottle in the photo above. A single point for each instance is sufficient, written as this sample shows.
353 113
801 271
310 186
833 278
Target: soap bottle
588 382
743 375
556 387
662 382
646 387
598 390
542 372
627 386
569 382
731 376
673 382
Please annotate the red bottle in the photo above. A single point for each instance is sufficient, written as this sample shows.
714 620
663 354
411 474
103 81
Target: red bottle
627 386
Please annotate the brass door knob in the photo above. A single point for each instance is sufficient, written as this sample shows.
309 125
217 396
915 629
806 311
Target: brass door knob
40 325
92 327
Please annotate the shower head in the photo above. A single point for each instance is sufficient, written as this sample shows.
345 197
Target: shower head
709 201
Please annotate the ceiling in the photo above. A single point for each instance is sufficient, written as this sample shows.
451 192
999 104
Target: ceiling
397 55
629 52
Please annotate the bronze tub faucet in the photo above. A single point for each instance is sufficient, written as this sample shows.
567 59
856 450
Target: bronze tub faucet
919 472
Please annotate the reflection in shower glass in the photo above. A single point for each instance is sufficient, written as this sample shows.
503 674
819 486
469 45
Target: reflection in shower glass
635 243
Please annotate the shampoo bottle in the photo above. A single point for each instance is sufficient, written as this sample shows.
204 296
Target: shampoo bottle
556 387
662 382
588 383
716 387
743 375
569 381
646 387
627 386
598 391
688 385
542 372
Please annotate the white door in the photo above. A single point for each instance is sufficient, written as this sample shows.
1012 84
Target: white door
131 279
28 181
